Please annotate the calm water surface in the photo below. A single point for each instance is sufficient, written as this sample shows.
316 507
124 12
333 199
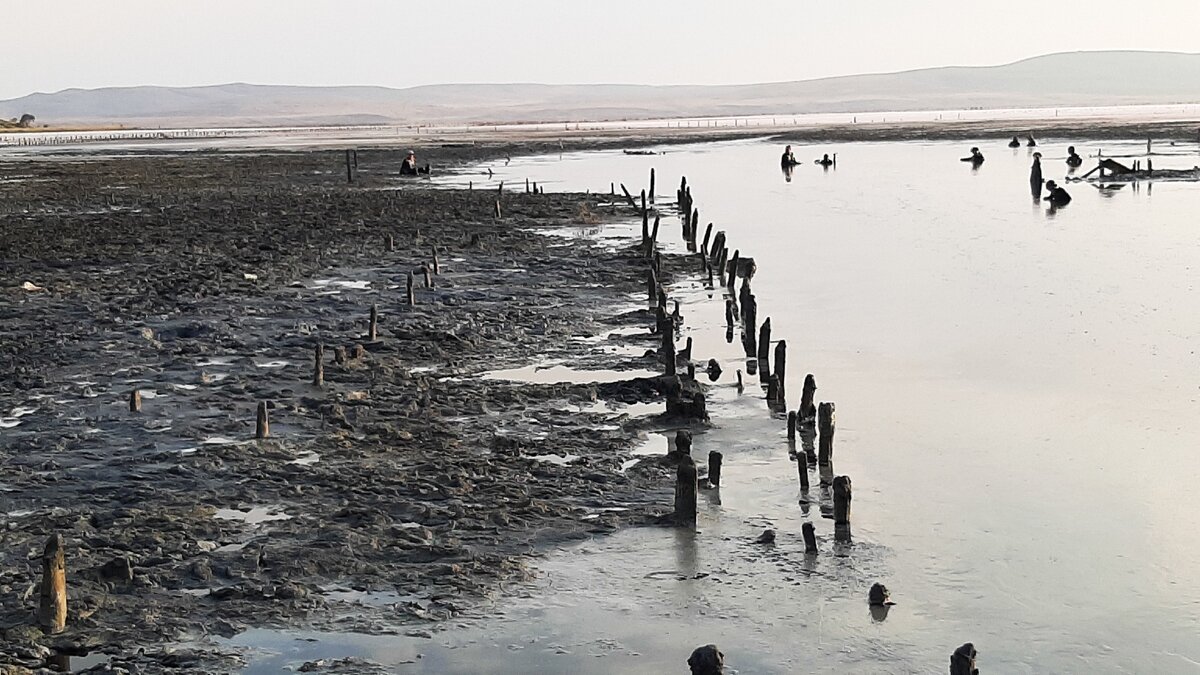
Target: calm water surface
1017 393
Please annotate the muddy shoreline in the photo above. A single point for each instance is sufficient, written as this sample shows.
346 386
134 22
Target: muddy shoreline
410 477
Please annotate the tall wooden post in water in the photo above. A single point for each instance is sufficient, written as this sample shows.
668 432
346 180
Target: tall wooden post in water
52 607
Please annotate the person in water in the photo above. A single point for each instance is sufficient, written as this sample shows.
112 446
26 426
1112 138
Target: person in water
976 157
409 166
1057 196
1014 143
1035 175
1030 143
825 161
788 159
1073 160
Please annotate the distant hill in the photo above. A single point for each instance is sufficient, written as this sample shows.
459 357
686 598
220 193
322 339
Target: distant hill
1069 79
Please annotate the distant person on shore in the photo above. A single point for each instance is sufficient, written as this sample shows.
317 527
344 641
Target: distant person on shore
1035 176
1030 143
975 159
1073 160
825 161
788 159
409 166
1057 196
1014 143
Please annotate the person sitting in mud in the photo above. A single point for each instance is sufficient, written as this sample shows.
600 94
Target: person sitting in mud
825 161
976 157
1073 160
409 166
1014 143
1030 143
788 159
1057 196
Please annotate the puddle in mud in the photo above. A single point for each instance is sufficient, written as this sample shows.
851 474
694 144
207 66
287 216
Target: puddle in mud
307 459
277 363
349 284
216 361
560 374
253 515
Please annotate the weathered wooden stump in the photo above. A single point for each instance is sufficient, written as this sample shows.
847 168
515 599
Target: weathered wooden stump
879 595
391 243
52 607
791 425
437 266
962 661
707 234
802 469
685 492
262 426
810 538
135 401
651 285
714 468
841 500
808 409
730 311
651 185
318 365
714 370
428 273
772 389
339 355
825 425
740 387
764 340
781 362
411 294
706 660
373 328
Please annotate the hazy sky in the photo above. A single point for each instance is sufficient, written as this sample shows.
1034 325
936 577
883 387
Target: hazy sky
96 43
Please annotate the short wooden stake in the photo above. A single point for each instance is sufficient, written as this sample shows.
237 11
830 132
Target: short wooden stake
135 401
825 425
764 339
810 538
498 213
714 468
791 426
373 329
802 467
685 492
52 609
707 234
437 267
841 500
428 276
412 298
319 365
262 426
730 311
651 185
808 410
349 168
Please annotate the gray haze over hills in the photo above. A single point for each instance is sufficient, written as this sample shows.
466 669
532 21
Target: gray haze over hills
1069 79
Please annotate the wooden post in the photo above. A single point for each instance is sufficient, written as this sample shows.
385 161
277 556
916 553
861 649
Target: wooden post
135 401
714 468
808 410
764 340
707 234
349 168
52 608
319 365
428 276
668 345
412 298
437 266
526 186
373 329
772 389
791 425
687 350
651 185
654 233
498 213
651 285
802 467
781 362
730 312
629 198
962 661
841 500
810 539
825 424
732 269
339 355
685 492
262 426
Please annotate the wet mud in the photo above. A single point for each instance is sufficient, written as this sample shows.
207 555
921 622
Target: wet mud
408 488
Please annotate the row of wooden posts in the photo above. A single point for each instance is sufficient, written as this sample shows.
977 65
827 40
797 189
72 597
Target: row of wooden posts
718 262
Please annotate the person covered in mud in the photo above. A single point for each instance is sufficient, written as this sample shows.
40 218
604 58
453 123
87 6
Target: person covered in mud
1014 143
1035 175
976 157
409 166
825 161
788 160
1073 160
1057 196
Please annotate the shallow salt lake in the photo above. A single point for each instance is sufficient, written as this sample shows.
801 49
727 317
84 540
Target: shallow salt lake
1017 393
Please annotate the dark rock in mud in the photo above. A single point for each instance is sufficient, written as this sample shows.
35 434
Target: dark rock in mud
706 660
